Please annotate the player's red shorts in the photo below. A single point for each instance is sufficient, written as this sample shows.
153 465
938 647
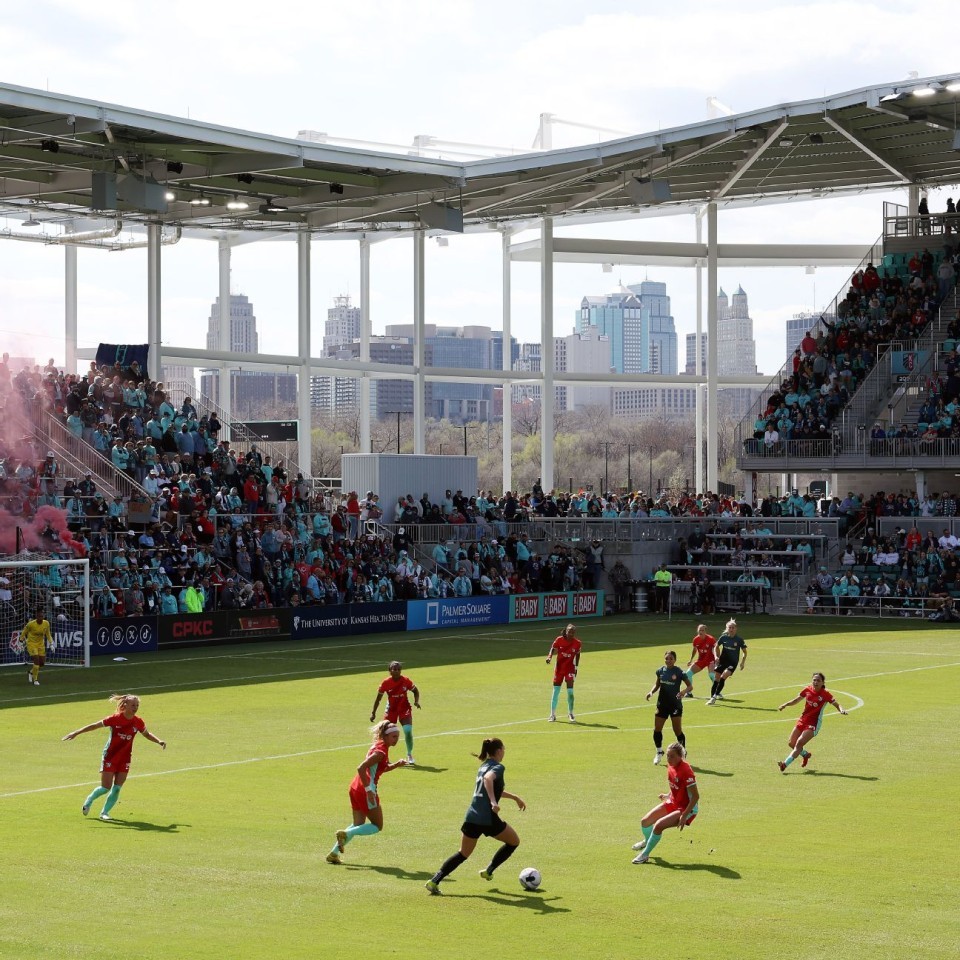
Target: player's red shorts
359 802
564 676
116 765
704 662
671 807
800 727
404 719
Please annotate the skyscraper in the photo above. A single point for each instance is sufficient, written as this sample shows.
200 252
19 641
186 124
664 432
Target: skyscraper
336 395
638 324
736 348
251 393
691 365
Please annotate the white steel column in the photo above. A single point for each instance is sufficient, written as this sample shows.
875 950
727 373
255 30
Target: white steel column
365 343
712 445
419 350
507 421
303 339
153 300
546 354
698 410
225 385
70 307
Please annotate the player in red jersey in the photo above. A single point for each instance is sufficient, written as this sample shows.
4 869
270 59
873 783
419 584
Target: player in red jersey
124 725
364 797
678 808
396 687
816 698
567 649
703 655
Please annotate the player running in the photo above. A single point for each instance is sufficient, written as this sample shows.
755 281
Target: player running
396 687
483 817
676 809
124 725
702 657
729 645
669 701
817 696
37 637
364 798
567 648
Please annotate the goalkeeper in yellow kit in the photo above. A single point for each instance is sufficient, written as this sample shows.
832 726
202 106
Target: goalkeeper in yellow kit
37 637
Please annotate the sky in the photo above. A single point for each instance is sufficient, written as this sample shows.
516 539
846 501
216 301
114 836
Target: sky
478 72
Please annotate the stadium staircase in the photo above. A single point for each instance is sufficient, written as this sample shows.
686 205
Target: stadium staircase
76 457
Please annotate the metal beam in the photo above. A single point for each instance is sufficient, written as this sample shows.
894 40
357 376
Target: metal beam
871 152
749 161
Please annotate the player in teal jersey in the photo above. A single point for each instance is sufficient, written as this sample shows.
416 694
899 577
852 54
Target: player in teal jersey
669 677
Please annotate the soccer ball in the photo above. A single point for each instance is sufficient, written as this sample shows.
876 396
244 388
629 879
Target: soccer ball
530 878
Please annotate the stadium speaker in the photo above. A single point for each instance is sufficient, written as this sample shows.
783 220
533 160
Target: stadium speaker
143 194
104 191
649 192
441 216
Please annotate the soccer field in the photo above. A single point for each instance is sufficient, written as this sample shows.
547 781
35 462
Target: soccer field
218 846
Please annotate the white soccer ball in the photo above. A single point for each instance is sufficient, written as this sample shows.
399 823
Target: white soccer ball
530 878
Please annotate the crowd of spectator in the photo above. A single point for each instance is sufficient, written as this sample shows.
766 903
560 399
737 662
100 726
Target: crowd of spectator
835 356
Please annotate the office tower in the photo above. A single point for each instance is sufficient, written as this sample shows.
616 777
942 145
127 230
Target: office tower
253 395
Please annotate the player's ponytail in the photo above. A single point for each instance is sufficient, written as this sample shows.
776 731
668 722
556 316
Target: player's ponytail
489 747
125 700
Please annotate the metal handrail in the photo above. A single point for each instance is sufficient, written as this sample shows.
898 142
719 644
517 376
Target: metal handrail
79 454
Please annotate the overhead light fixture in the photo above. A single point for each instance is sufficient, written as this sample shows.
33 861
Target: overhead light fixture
200 201
608 268
816 138
237 204
244 178
169 195
31 222
785 142
442 241
174 166
271 206
51 146
924 92
336 188
953 87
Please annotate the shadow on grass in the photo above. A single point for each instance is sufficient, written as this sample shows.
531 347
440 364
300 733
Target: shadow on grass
397 872
144 825
844 776
426 769
712 773
525 901
594 726
724 872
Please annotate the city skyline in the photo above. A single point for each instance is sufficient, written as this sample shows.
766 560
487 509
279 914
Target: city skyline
528 68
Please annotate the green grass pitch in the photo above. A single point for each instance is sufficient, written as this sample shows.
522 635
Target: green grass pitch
219 843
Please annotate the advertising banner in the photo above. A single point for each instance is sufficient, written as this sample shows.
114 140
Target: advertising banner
555 606
457 612
113 635
189 629
348 619
269 624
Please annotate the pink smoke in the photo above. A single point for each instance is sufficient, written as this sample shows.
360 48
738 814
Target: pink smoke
14 416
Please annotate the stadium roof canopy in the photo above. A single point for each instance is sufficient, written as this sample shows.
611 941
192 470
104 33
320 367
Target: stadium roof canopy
56 151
